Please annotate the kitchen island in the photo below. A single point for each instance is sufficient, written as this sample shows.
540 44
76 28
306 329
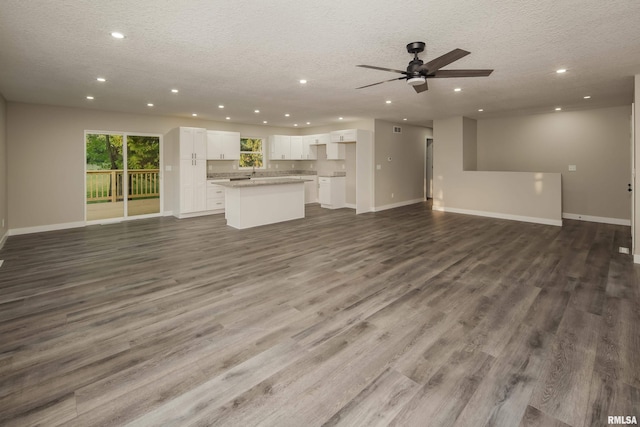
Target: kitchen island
253 202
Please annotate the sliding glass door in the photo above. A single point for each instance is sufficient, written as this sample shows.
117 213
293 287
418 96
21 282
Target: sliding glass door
122 180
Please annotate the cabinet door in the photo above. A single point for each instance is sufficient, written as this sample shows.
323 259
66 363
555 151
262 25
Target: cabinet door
280 147
297 151
214 145
187 185
186 143
199 185
231 146
200 144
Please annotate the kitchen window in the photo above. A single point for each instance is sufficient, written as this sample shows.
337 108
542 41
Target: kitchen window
251 152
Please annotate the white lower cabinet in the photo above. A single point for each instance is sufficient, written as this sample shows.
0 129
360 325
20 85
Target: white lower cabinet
332 192
215 195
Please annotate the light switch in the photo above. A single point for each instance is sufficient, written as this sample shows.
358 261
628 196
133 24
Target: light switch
378 167
167 168
572 168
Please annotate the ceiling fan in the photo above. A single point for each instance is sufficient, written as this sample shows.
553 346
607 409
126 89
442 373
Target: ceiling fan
418 72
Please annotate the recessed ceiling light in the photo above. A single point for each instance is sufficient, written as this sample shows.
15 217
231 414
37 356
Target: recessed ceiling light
480 109
340 118
457 89
149 104
117 35
308 123
388 101
404 119
287 114
101 79
174 90
303 82
558 108
561 71
256 111
265 122
587 97
194 114
90 98
220 106
295 124
228 118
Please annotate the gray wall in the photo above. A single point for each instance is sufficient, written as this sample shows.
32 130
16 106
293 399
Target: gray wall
4 202
46 148
525 196
404 174
469 144
596 141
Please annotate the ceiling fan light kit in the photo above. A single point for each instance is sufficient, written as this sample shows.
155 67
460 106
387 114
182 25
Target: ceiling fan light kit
418 72
416 81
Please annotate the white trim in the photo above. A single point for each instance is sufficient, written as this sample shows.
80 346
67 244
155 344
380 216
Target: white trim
350 205
44 228
536 220
201 213
636 258
167 213
601 219
3 239
397 205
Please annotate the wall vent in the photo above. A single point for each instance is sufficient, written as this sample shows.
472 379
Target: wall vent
397 129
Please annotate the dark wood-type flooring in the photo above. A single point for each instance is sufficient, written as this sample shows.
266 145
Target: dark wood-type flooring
405 317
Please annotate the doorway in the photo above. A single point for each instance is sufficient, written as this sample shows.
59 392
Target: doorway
428 191
122 176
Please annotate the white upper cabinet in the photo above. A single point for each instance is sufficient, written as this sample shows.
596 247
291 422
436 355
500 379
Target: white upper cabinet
223 145
193 143
297 148
280 147
348 135
319 139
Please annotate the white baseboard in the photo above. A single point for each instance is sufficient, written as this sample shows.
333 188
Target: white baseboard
636 259
350 205
3 239
43 228
396 205
167 213
536 220
601 219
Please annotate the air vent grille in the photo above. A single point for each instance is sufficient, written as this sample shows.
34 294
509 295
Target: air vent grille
397 129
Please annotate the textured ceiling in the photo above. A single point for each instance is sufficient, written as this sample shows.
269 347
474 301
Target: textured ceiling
249 54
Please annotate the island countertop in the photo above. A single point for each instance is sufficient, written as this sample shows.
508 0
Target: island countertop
260 182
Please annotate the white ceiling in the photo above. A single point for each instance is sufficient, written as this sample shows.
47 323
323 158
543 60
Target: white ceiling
248 54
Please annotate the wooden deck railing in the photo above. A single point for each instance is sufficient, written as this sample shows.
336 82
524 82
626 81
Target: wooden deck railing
106 185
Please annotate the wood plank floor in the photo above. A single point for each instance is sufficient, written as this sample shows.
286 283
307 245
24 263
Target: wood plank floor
405 317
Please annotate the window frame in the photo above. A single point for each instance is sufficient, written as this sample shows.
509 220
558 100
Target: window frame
262 153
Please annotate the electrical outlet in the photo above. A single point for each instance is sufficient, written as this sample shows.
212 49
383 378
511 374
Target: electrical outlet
343 166
277 165
392 195
233 166
292 165
2 222
311 166
378 167
210 167
572 168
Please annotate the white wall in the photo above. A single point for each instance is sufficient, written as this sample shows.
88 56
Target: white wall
636 183
4 203
46 152
596 141
403 176
525 196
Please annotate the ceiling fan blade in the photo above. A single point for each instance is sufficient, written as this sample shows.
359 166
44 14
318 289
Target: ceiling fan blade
460 73
382 69
441 61
379 83
422 87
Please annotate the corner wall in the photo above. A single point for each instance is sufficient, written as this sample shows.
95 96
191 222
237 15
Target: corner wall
595 141
523 196
401 180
